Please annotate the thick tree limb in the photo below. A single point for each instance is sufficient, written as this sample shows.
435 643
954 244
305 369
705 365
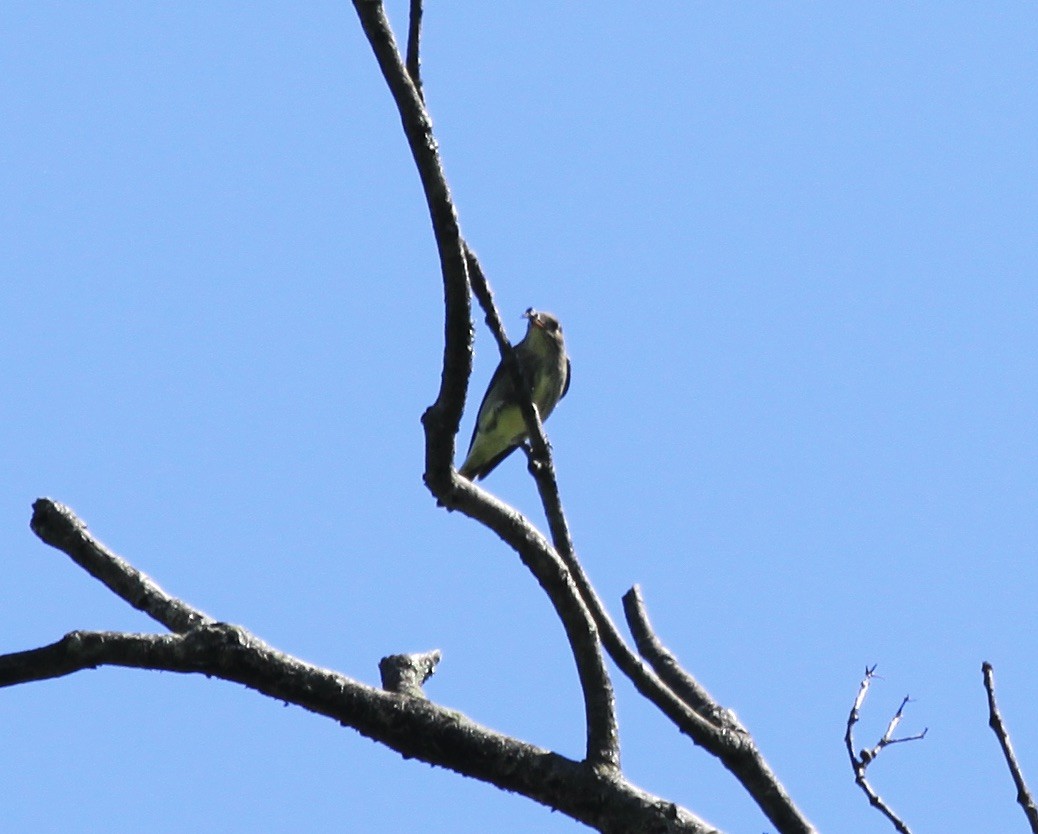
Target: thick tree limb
411 725
1023 794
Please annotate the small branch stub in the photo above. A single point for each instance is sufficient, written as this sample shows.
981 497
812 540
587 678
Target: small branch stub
404 674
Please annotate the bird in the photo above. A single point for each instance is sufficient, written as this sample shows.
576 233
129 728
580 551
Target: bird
500 428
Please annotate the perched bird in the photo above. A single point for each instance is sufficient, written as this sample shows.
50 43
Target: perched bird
500 427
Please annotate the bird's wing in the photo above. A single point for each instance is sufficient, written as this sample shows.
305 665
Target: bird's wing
569 378
491 464
487 420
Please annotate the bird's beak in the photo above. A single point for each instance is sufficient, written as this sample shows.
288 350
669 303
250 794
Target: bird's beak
533 316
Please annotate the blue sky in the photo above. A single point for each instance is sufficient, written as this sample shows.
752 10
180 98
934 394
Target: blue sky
793 247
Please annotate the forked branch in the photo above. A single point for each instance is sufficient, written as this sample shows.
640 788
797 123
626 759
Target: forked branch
441 419
398 716
861 761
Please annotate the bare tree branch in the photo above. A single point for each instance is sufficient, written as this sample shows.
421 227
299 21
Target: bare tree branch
409 724
59 527
1023 795
414 46
680 696
888 735
860 762
441 420
551 574
666 665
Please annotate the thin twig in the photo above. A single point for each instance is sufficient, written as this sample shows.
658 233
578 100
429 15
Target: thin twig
414 45
888 736
670 670
861 761
1023 794
692 709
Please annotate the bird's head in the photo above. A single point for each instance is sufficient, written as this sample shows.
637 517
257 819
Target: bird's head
544 322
